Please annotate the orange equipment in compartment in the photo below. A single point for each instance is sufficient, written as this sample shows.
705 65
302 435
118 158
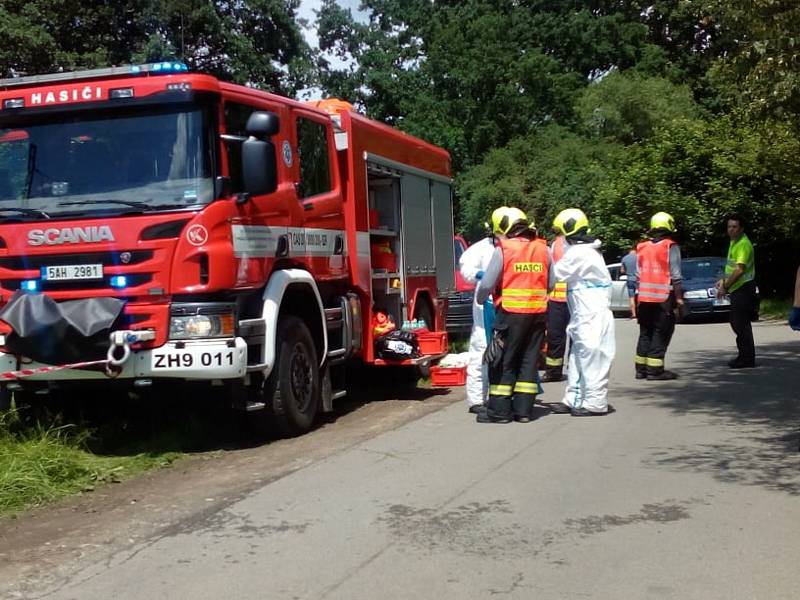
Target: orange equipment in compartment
383 257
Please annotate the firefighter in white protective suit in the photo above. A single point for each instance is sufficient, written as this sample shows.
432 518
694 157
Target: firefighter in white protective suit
472 264
591 323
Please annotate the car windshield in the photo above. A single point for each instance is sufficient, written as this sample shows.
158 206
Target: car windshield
706 268
112 161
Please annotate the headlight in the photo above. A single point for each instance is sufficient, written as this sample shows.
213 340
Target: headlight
696 294
190 321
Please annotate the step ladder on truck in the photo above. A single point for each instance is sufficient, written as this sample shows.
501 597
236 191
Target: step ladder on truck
163 226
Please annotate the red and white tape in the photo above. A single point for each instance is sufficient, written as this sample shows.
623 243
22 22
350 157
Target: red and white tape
49 369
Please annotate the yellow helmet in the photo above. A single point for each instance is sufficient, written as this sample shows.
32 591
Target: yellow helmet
570 221
497 216
662 220
507 219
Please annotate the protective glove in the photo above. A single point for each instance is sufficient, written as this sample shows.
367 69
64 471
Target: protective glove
794 318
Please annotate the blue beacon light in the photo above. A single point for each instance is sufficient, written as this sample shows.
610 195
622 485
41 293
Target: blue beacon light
119 281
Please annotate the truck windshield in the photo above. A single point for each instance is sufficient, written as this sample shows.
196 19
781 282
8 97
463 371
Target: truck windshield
132 159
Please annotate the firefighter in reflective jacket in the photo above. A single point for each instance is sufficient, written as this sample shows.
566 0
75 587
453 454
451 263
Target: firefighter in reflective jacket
660 297
557 319
517 276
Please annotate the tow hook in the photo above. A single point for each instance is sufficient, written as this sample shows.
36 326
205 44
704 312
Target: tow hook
119 350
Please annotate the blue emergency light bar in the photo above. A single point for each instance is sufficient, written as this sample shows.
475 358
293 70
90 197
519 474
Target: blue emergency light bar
157 68
29 285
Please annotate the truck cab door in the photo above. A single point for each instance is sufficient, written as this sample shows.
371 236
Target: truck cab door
319 194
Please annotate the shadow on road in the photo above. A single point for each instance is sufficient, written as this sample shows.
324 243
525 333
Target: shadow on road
756 409
187 419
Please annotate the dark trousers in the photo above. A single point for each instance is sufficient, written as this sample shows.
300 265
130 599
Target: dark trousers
656 326
743 304
513 377
557 321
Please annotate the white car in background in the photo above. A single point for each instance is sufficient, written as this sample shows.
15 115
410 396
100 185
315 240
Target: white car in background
619 291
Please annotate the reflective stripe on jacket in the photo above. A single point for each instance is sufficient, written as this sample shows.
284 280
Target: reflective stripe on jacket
652 260
559 293
523 287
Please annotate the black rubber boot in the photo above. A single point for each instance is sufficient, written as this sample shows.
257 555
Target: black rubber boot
662 375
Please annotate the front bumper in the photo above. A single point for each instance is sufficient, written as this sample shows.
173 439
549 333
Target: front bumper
191 360
703 306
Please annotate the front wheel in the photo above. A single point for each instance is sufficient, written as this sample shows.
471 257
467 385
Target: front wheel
292 391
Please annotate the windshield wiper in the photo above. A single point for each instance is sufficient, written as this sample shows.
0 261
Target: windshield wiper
143 206
133 203
33 212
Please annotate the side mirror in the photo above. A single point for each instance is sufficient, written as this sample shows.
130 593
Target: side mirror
259 167
263 124
259 164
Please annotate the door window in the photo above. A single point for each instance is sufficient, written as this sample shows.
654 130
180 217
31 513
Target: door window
312 148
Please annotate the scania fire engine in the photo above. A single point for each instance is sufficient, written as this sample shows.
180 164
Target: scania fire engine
161 225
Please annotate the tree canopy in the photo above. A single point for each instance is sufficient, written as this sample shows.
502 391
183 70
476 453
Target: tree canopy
256 42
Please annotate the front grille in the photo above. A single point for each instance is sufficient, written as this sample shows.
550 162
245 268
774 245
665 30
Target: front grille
133 280
107 259
16 269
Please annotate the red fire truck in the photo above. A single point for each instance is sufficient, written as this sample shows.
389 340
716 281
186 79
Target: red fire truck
159 225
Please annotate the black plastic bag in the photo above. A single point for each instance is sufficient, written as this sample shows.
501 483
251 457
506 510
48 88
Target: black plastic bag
60 333
397 345
493 355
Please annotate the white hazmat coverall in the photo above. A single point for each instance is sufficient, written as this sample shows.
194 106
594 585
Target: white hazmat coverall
474 260
591 326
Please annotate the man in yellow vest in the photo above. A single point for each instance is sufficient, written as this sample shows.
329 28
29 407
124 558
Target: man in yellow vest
517 277
660 294
739 282
557 318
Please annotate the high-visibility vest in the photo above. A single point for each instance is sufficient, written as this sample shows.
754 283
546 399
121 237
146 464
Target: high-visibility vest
559 293
652 259
523 287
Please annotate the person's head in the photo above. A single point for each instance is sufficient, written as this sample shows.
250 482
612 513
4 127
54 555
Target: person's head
511 222
570 222
662 223
632 249
735 226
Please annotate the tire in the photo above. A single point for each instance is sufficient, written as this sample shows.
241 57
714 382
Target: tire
292 391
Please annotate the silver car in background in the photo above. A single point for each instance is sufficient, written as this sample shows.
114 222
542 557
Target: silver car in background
620 305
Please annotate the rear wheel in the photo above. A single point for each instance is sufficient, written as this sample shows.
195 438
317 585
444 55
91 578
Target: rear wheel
292 391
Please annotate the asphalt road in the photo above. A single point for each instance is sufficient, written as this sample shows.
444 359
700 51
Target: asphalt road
690 490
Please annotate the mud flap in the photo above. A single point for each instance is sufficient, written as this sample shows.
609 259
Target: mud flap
57 333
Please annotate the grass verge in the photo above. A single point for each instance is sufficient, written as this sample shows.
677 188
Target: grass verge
775 308
41 463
